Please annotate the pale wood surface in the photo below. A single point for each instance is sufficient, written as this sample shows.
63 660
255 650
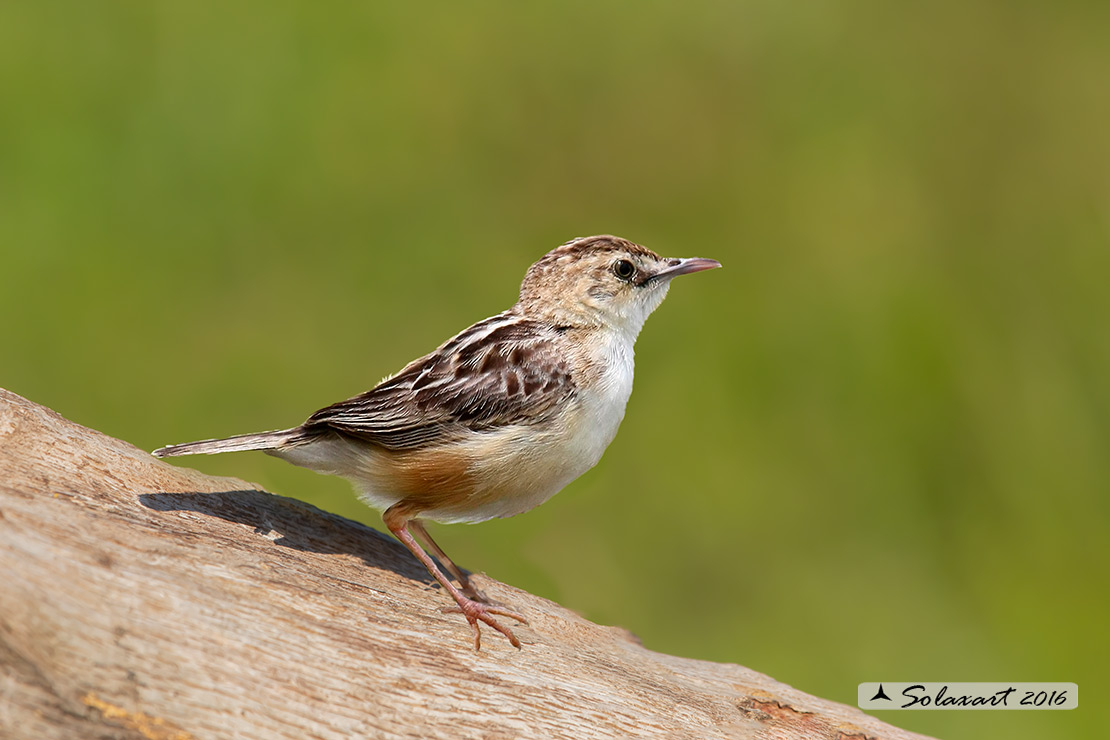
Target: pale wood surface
144 600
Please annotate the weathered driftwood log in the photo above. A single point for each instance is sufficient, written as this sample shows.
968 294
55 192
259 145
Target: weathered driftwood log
143 600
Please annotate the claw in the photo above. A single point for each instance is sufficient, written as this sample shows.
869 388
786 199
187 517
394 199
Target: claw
475 612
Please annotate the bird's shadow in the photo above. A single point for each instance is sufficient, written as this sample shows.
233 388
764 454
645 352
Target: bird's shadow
299 526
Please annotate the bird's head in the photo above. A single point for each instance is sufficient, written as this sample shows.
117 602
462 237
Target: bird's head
602 281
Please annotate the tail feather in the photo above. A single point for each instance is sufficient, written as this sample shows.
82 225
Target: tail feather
238 443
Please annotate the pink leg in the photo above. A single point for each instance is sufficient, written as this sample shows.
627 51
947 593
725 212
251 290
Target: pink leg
474 611
465 586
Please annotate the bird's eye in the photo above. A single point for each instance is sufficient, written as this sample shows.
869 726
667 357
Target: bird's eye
624 269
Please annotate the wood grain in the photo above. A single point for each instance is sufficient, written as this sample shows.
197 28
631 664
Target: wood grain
144 600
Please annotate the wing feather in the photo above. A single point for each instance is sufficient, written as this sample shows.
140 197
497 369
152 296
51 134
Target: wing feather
500 372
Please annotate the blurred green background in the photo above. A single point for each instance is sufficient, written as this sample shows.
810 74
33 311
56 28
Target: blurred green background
873 447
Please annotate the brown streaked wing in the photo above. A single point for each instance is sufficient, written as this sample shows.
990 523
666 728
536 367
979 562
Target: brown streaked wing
512 374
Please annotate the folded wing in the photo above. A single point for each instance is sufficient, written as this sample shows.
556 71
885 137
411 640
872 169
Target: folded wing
500 372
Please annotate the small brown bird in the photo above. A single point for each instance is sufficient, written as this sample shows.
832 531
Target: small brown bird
500 417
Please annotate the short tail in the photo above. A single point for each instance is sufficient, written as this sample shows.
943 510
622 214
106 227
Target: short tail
239 443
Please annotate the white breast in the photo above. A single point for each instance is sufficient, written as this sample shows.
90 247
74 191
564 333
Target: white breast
603 402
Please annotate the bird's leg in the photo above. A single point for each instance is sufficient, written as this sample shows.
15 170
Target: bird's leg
465 586
398 521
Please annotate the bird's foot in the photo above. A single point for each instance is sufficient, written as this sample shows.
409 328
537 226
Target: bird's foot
476 611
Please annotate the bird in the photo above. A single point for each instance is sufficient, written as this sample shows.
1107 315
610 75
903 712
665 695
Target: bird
497 419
